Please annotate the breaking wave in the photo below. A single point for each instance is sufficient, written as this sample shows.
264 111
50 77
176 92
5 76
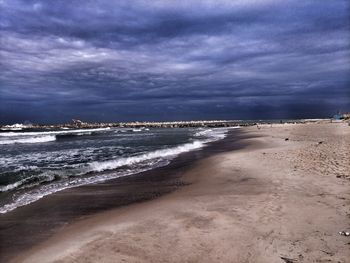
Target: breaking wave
45 136
48 138
164 153
80 131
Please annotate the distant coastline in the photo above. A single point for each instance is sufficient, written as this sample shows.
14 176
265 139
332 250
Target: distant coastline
156 124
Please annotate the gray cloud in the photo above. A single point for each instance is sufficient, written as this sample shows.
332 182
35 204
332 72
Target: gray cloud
116 60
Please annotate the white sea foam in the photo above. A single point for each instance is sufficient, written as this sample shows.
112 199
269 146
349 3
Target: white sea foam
48 159
40 139
164 153
212 134
36 194
80 131
24 182
11 186
202 132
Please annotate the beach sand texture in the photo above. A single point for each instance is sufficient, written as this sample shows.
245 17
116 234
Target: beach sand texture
274 200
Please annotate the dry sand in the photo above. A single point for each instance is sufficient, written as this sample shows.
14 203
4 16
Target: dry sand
274 199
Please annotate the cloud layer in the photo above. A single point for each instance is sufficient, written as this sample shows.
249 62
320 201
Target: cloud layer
166 60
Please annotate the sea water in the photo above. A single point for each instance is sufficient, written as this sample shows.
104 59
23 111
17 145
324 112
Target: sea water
36 164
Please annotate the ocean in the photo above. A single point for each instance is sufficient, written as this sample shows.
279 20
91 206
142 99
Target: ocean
36 164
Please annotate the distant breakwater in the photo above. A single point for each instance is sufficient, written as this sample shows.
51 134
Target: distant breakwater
169 124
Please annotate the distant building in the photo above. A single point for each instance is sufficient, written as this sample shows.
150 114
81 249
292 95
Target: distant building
77 122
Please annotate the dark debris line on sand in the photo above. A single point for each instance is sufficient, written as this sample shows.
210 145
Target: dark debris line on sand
288 260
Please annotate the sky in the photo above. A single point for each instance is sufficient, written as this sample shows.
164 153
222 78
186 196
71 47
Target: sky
108 60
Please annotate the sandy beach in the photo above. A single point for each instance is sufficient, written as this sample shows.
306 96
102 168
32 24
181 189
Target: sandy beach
283 197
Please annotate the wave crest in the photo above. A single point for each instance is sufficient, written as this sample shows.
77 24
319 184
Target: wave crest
81 131
48 138
114 164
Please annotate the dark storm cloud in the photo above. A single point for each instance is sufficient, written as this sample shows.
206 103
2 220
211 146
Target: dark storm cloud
123 60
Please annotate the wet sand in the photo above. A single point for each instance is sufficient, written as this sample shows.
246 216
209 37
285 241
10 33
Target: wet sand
267 200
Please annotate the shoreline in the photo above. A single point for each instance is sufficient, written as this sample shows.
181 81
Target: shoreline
53 212
269 200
